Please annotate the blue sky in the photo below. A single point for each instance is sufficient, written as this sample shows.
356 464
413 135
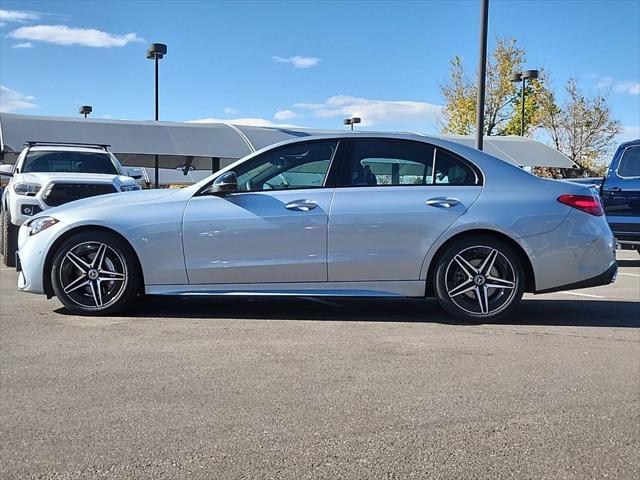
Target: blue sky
303 63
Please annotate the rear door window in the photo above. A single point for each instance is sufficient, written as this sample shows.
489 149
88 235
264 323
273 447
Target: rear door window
383 162
630 163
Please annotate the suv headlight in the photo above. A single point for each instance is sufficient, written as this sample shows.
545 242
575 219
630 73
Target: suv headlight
129 188
29 189
39 224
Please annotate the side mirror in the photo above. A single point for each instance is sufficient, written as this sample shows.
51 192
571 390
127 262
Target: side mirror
134 172
6 170
223 185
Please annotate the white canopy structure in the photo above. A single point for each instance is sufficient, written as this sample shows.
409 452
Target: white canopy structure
204 147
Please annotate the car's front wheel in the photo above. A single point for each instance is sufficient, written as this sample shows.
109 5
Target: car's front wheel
95 273
9 239
479 278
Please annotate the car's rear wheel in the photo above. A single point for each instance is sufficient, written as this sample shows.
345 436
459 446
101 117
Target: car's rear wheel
479 278
9 240
95 273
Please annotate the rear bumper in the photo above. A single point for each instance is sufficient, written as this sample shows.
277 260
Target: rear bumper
605 278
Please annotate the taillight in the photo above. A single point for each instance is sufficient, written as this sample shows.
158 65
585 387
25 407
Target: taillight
586 203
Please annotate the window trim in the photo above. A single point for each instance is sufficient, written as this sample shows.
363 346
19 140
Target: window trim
633 177
329 179
343 173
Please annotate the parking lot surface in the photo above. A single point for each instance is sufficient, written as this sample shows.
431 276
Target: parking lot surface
295 388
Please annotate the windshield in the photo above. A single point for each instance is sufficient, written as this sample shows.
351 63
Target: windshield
69 162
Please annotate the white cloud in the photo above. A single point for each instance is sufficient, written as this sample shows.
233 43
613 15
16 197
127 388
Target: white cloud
230 110
619 86
63 35
298 61
285 115
631 88
23 45
629 132
11 100
249 121
375 112
18 16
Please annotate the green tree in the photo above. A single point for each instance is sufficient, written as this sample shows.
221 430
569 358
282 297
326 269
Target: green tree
581 127
502 97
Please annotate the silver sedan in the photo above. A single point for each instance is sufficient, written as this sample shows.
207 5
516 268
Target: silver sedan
350 215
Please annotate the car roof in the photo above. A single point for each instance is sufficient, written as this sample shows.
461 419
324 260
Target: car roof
66 148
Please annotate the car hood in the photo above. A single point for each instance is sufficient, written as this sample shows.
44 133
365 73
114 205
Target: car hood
45 177
113 202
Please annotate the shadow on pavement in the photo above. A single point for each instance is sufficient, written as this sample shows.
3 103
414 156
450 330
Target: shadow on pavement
629 263
587 313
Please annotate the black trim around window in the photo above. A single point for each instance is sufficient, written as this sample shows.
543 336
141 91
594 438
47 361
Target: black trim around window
329 179
344 174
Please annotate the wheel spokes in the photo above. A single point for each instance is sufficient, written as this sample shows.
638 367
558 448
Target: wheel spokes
99 258
483 299
79 282
469 269
96 293
106 275
464 287
493 282
487 264
80 264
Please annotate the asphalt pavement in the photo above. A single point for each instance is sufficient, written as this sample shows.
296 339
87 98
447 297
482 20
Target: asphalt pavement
293 388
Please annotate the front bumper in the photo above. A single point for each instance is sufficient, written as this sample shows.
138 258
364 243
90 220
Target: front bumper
32 252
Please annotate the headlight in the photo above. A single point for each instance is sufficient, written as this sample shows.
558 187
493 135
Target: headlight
24 188
41 223
129 188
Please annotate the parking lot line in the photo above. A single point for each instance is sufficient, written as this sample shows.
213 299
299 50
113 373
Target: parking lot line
629 274
583 294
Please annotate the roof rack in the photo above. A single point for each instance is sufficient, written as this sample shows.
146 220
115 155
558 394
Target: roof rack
32 143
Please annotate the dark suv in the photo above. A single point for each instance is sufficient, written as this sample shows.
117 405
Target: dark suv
621 195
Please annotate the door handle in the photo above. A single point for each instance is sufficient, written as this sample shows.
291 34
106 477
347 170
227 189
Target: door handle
613 190
301 205
443 202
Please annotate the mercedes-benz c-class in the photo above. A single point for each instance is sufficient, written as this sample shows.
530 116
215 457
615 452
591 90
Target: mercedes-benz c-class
384 215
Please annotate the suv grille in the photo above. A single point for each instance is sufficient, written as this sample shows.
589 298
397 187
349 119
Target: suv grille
62 193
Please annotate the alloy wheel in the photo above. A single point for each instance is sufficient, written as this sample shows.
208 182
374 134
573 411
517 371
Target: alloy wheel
481 280
93 275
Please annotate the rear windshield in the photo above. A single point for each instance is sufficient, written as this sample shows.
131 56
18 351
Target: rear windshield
69 162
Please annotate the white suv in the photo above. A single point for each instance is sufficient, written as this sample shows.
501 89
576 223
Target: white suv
48 174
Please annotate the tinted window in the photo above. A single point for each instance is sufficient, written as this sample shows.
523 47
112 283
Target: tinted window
383 162
630 163
388 162
302 165
69 162
450 170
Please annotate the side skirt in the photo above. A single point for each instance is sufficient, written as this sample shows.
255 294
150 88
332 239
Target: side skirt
321 289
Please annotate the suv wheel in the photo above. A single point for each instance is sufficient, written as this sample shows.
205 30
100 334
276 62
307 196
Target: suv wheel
95 273
9 240
479 278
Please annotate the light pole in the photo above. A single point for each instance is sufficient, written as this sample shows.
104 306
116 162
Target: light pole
155 52
351 121
523 77
482 70
85 110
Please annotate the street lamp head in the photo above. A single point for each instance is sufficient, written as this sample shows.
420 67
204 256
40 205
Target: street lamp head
530 74
85 110
158 50
515 77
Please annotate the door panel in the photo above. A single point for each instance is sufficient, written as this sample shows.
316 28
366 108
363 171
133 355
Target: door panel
254 237
621 189
383 233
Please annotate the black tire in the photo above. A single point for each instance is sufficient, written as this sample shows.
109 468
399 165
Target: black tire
473 287
9 240
95 273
